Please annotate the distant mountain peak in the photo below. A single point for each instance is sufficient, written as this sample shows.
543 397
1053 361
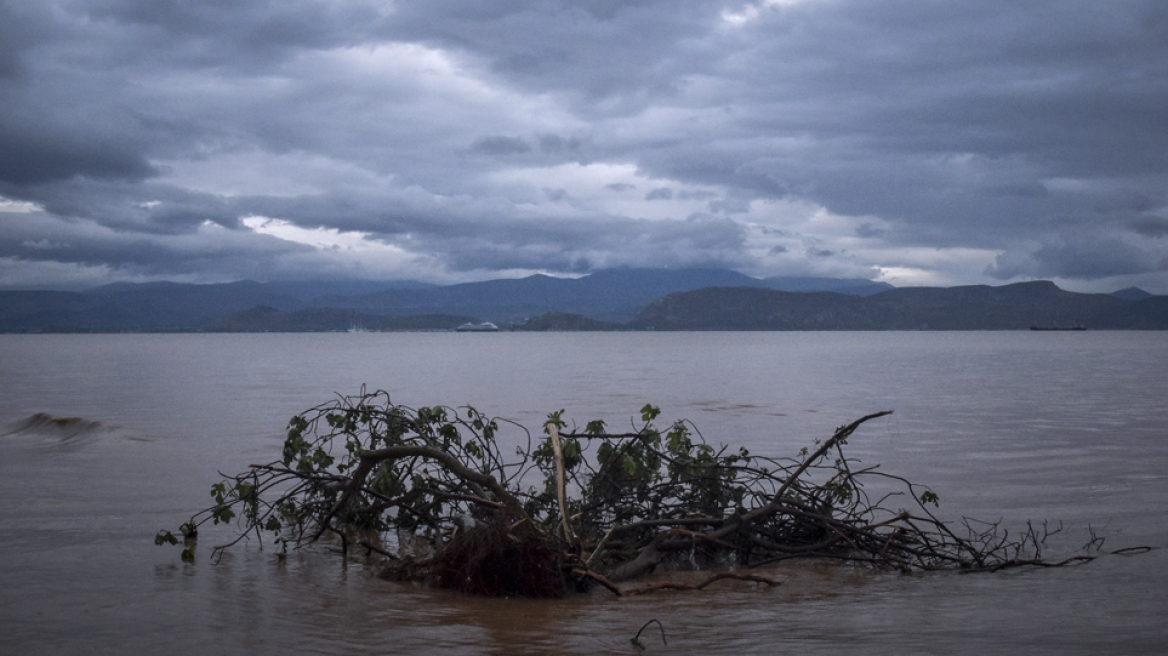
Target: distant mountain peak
1017 306
1132 294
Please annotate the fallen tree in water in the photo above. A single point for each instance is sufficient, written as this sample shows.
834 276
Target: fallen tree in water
431 491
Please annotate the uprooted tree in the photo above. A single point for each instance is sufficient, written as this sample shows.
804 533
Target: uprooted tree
432 492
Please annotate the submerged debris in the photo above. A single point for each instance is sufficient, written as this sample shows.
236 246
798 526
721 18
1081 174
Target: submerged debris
60 430
581 507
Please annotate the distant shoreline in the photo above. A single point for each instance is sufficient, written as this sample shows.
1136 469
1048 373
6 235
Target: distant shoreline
689 300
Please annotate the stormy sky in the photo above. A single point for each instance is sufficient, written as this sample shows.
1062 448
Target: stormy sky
910 141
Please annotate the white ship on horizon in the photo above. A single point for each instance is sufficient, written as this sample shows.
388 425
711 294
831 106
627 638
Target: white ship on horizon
484 327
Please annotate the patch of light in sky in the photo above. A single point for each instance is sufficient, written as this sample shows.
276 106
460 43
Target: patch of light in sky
907 277
436 82
924 266
616 189
752 11
18 206
321 238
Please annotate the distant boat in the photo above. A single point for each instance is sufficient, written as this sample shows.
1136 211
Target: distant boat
1076 327
484 327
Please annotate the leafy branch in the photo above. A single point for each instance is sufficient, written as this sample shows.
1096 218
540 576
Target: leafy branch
580 506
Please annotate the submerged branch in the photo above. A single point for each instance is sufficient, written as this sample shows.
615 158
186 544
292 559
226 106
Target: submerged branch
365 470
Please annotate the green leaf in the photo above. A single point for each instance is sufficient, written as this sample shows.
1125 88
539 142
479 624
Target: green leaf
474 450
222 514
555 419
678 441
321 459
573 454
604 452
165 537
450 432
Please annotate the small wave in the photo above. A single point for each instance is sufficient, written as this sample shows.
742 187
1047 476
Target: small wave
64 431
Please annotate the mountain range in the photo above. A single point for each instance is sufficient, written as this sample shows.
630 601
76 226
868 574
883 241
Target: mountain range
1019 306
613 295
630 299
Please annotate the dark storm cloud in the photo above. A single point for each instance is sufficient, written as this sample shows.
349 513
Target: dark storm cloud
495 239
623 54
128 207
22 26
33 153
1028 139
1081 260
1151 227
140 254
236 33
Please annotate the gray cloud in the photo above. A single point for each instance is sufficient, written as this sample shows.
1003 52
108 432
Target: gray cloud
228 255
556 195
42 142
556 144
1010 140
1079 259
1151 227
602 241
500 146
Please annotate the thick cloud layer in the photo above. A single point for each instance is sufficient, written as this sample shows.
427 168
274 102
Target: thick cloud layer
913 142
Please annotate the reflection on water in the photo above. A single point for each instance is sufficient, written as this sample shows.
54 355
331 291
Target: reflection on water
108 438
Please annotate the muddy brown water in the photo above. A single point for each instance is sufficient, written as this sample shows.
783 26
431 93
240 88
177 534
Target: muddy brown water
1068 427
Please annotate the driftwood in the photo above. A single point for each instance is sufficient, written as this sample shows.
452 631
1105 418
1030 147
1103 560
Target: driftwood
583 507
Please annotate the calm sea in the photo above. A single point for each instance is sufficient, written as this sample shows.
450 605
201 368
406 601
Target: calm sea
1066 427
